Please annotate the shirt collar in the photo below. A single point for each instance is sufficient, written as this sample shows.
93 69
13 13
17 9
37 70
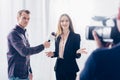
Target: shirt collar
21 30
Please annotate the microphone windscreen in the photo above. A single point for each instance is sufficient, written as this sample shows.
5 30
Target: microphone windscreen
52 36
53 33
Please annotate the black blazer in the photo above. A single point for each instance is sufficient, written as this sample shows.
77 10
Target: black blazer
68 64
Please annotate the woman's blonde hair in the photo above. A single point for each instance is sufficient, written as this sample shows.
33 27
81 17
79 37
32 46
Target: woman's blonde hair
59 30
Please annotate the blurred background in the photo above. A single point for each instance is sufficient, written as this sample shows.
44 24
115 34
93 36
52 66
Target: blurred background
44 20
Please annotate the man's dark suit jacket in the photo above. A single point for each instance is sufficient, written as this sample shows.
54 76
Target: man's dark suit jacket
68 63
19 52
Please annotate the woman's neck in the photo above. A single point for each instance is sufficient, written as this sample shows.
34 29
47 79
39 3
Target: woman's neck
66 32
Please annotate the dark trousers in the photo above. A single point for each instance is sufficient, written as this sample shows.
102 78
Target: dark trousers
65 76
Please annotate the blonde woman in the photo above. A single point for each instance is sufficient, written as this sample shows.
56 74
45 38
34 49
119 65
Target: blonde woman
66 46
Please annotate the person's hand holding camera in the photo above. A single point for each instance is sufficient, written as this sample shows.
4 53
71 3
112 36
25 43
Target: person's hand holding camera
99 42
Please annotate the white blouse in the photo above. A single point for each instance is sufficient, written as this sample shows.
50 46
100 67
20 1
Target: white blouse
62 45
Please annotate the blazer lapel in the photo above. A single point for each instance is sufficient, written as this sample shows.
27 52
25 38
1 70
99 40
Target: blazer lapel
67 43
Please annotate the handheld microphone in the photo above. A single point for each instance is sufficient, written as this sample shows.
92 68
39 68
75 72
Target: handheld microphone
52 36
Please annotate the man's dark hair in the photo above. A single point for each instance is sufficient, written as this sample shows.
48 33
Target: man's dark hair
20 12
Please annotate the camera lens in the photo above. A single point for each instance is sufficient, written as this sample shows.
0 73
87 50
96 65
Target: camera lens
89 30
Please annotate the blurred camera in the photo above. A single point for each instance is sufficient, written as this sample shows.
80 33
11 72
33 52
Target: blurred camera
105 33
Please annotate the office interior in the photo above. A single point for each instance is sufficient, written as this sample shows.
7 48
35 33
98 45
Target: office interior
44 19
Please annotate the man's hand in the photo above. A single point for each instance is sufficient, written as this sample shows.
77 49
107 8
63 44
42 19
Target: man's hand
46 44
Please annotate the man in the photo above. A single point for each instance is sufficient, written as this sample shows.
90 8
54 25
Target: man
103 63
19 50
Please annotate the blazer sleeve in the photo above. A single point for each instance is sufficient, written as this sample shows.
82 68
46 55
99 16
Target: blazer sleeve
77 43
17 42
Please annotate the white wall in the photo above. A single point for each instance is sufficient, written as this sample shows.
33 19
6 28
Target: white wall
44 19
81 12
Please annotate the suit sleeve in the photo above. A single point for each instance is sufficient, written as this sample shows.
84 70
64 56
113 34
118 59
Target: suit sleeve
19 45
77 44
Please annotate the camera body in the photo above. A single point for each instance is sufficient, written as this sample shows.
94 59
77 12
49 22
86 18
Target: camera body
105 33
